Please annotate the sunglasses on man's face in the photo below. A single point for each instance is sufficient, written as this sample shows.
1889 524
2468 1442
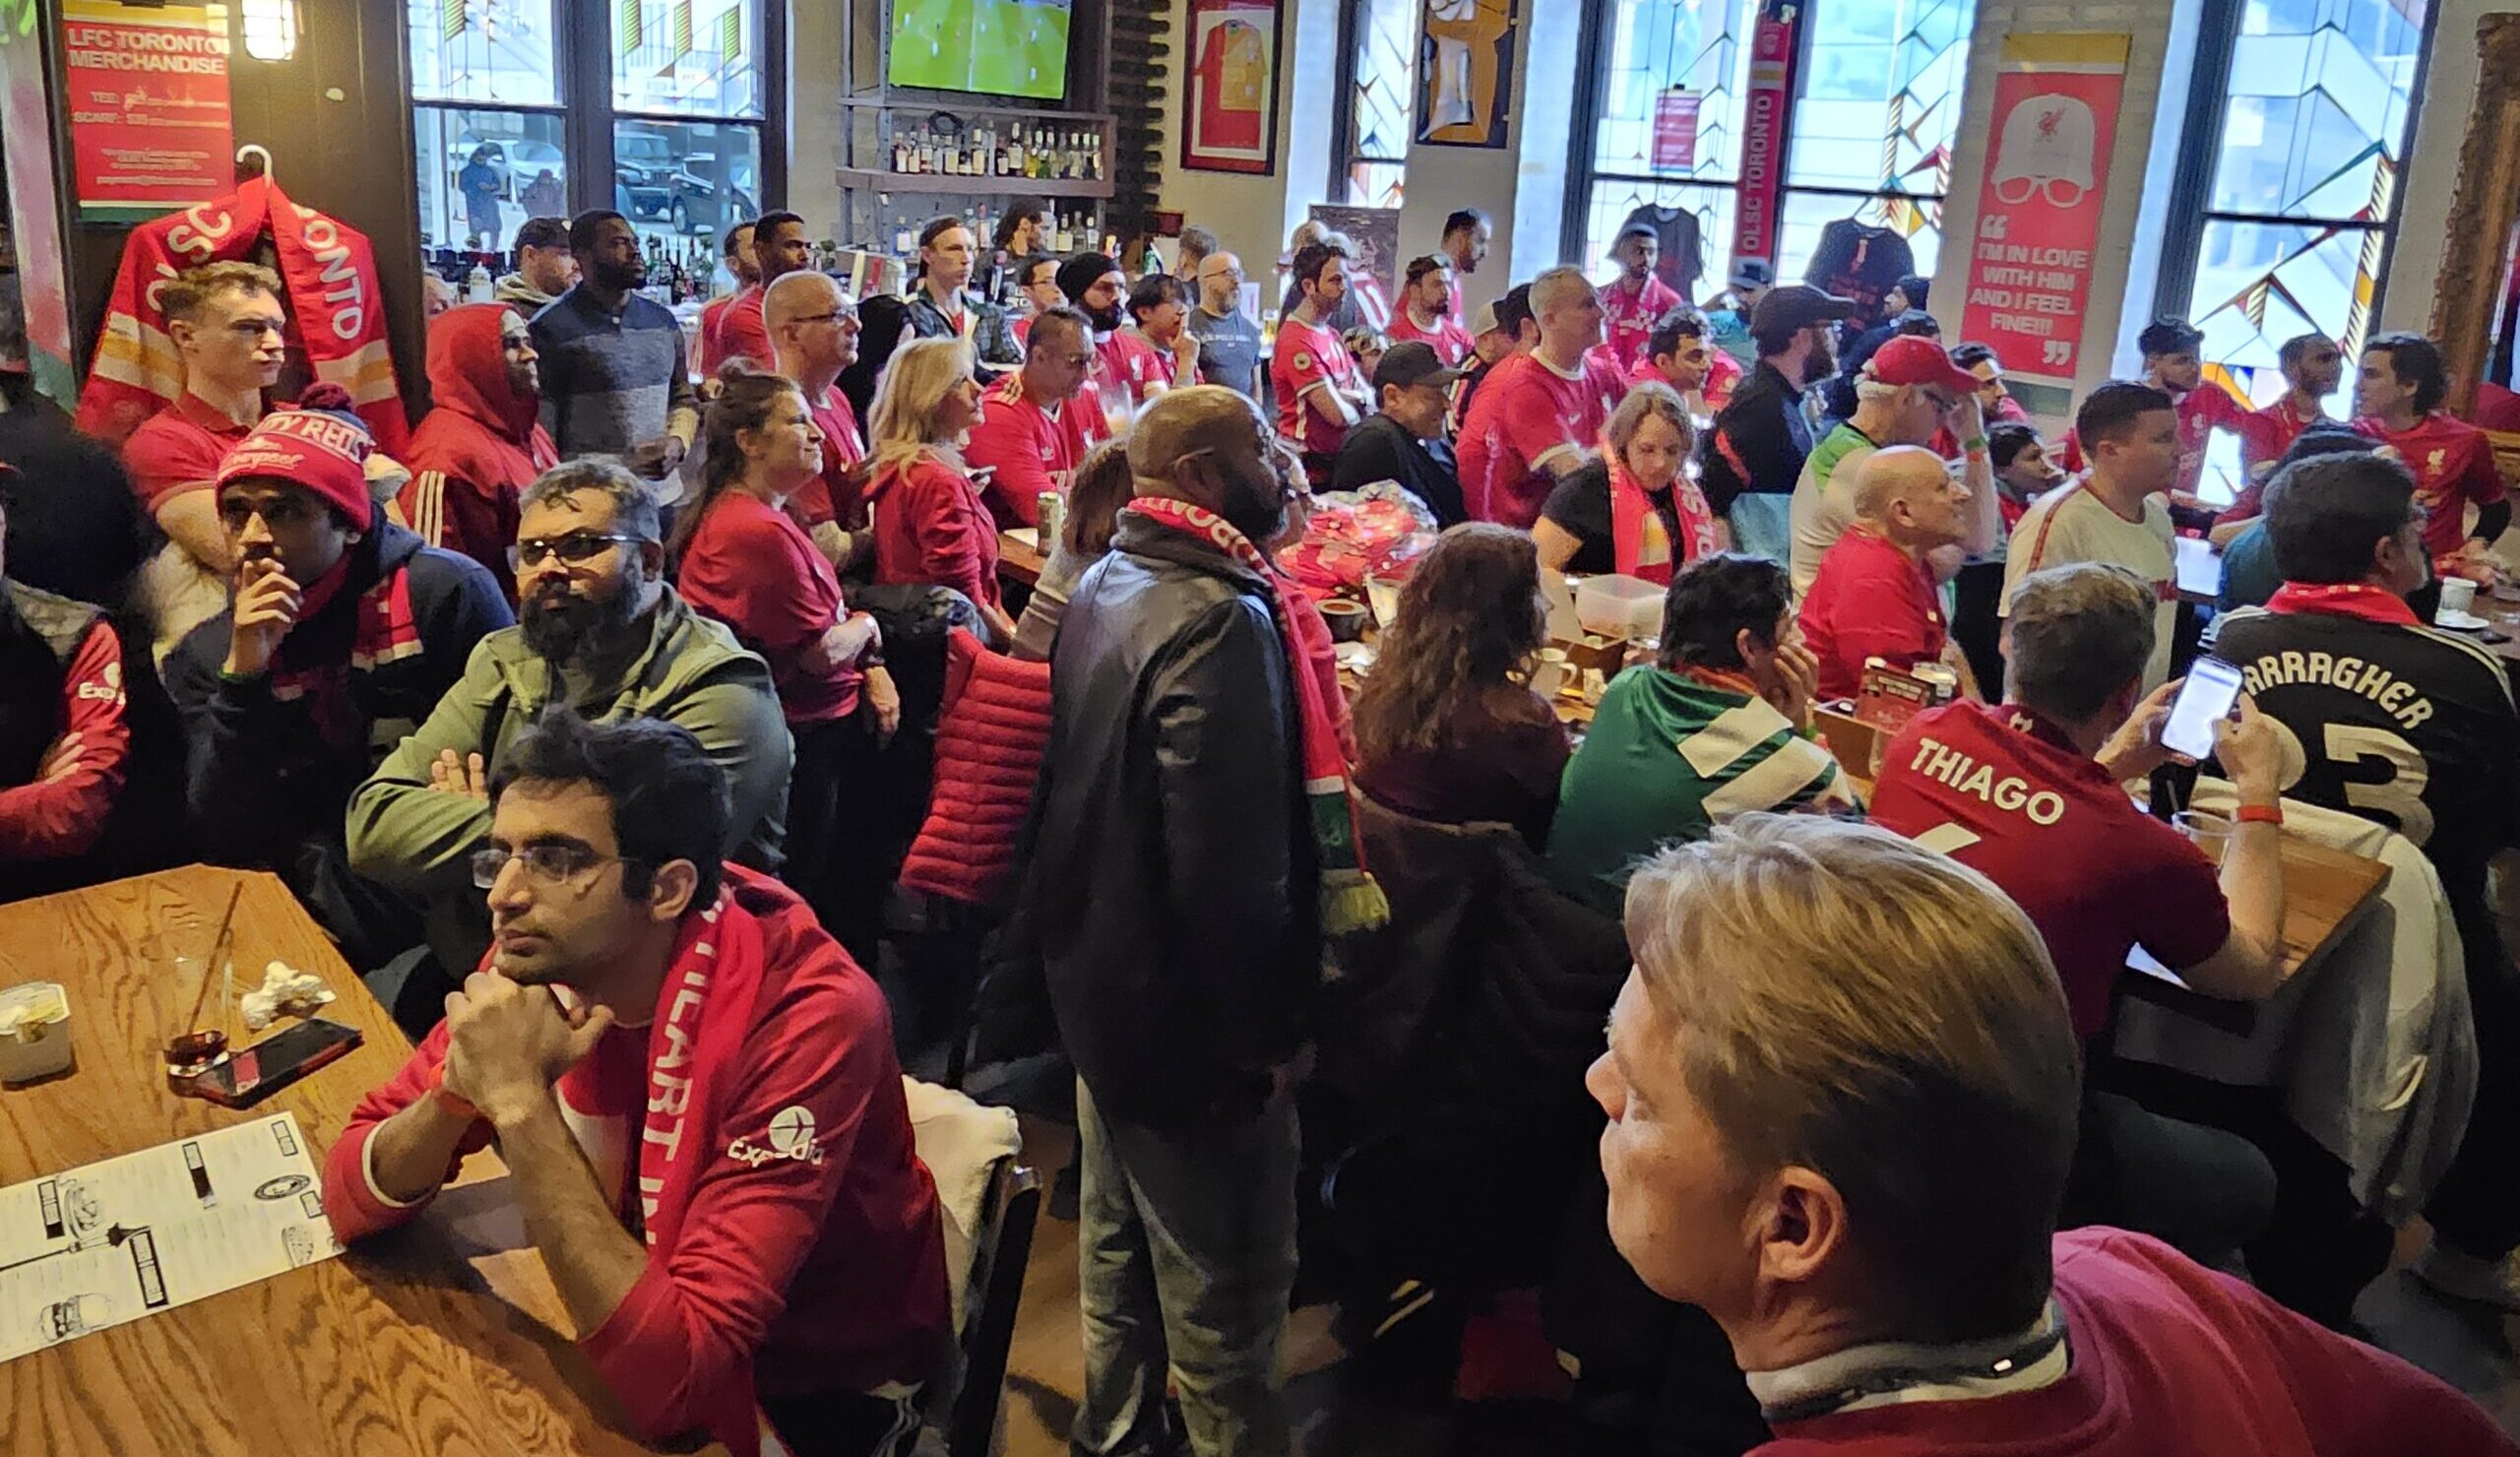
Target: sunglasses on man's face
574 549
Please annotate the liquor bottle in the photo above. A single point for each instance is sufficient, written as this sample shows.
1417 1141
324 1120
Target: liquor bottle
1093 158
1063 238
905 238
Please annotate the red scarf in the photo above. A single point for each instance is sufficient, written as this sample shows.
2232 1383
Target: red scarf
337 312
1640 541
2344 599
1350 899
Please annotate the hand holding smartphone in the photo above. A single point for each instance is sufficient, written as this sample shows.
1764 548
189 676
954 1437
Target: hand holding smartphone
2209 694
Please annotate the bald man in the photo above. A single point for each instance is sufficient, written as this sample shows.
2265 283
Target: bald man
1877 595
1538 416
1181 934
1228 338
814 332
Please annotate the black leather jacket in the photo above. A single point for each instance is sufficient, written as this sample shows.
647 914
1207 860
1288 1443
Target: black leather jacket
1173 885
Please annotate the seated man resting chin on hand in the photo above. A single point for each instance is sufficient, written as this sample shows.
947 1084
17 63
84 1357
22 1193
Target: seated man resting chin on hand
695 1091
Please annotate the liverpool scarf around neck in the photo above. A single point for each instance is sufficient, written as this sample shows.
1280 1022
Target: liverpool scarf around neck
1350 899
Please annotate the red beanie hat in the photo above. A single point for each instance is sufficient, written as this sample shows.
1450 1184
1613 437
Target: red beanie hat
318 444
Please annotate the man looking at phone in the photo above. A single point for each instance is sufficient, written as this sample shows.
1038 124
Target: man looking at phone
602 633
344 632
2413 727
2027 793
731 1212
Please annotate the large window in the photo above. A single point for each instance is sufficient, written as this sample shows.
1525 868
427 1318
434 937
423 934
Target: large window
2296 137
1379 51
1868 136
502 137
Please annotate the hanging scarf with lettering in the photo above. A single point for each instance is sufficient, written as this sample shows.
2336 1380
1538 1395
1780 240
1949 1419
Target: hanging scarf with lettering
1350 899
1641 544
337 314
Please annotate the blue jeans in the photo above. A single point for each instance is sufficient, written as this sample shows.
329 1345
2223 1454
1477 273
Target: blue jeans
1185 1254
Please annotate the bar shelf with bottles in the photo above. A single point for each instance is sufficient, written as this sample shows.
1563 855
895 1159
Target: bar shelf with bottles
978 151
1074 227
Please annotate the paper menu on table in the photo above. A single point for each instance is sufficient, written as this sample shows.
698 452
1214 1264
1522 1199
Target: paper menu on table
112 1241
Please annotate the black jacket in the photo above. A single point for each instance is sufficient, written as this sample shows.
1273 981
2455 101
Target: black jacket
271 761
1381 449
1761 439
1171 884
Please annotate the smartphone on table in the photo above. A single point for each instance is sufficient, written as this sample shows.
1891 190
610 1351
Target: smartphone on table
2210 691
254 1073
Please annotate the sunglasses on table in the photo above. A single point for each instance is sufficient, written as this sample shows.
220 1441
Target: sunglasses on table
574 549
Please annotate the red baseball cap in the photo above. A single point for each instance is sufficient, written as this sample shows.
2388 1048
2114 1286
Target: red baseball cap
1913 359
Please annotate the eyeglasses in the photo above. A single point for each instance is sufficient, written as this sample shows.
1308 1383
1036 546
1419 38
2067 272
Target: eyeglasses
574 549
544 864
835 314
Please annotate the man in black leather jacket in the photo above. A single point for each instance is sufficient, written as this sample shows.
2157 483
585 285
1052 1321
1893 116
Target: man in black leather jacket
1173 891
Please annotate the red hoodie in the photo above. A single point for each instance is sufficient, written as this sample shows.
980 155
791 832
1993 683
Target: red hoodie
477 448
799 1264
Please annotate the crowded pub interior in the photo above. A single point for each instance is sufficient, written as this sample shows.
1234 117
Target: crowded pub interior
1226 727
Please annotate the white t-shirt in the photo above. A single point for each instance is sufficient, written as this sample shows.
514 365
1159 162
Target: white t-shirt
2074 525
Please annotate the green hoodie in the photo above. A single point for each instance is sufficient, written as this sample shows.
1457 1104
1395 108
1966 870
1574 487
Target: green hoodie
408 836
1667 757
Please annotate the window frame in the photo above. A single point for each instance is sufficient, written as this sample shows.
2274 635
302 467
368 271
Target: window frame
582 40
1343 155
1584 175
2190 206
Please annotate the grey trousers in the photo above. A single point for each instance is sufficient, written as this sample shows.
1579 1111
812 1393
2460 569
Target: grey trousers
1185 1252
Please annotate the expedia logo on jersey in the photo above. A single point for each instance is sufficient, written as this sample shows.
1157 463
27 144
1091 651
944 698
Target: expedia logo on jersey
790 1136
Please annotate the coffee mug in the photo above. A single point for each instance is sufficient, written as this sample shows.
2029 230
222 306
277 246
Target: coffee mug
1346 620
2458 596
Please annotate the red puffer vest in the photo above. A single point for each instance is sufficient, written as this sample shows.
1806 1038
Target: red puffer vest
989 743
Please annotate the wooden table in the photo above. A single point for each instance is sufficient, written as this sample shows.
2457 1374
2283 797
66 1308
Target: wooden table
2505 618
444 1339
2199 569
1018 559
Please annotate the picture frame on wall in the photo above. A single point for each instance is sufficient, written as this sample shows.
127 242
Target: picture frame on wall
1230 98
1466 72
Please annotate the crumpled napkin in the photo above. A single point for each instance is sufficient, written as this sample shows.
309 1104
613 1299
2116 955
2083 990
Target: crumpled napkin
286 990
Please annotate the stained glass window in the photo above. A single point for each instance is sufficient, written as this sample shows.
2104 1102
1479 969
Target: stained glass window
2312 125
687 57
1876 105
1383 45
496 51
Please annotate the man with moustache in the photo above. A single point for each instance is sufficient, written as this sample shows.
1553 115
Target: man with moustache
601 631
614 382
481 442
1180 927
731 1211
344 633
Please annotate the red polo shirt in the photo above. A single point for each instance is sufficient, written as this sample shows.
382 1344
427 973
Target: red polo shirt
2453 464
1871 600
2001 790
1029 448
1305 355
1526 416
179 449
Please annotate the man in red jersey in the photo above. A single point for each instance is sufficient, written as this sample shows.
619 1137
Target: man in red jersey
1321 394
694 1090
1876 595
737 251
1842 1098
1156 351
1422 315
779 248
1534 419
2397 400
1466 235
1678 353
2311 364
2172 366
1039 422
813 337
1636 300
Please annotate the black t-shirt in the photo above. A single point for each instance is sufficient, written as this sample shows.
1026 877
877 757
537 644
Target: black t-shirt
1862 262
2411 727
1580 506
1380 449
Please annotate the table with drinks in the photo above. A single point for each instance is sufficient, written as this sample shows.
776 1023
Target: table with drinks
443 1338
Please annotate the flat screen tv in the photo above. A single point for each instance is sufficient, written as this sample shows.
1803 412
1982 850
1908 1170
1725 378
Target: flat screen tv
994 47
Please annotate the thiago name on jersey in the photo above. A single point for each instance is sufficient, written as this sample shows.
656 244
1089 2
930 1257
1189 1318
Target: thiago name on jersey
2395 696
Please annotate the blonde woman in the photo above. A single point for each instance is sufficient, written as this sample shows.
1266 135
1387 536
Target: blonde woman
932 524
1633 509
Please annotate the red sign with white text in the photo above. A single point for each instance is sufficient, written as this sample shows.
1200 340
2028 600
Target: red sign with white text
1676 131
149 128
1764 107
2046 175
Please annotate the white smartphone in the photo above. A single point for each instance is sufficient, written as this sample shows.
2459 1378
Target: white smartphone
2212 688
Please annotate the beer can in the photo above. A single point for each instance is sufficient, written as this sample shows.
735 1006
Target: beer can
1939 677
1053 509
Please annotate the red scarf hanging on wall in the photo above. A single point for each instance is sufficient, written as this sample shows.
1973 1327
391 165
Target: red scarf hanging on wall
328 271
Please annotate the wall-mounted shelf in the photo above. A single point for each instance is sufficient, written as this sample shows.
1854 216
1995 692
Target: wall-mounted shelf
899 103
1040 187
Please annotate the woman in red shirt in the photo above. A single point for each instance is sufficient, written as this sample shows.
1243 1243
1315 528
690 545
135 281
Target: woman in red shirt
932 525
743 556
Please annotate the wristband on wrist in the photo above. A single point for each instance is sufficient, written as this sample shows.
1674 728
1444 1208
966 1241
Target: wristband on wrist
2258 814
1974 445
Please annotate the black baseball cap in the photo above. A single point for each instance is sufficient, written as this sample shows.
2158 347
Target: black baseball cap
1411 363
1798 307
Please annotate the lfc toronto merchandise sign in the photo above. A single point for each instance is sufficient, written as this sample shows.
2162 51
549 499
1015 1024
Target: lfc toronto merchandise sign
1675 115
1764 107
2046 175
147 90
